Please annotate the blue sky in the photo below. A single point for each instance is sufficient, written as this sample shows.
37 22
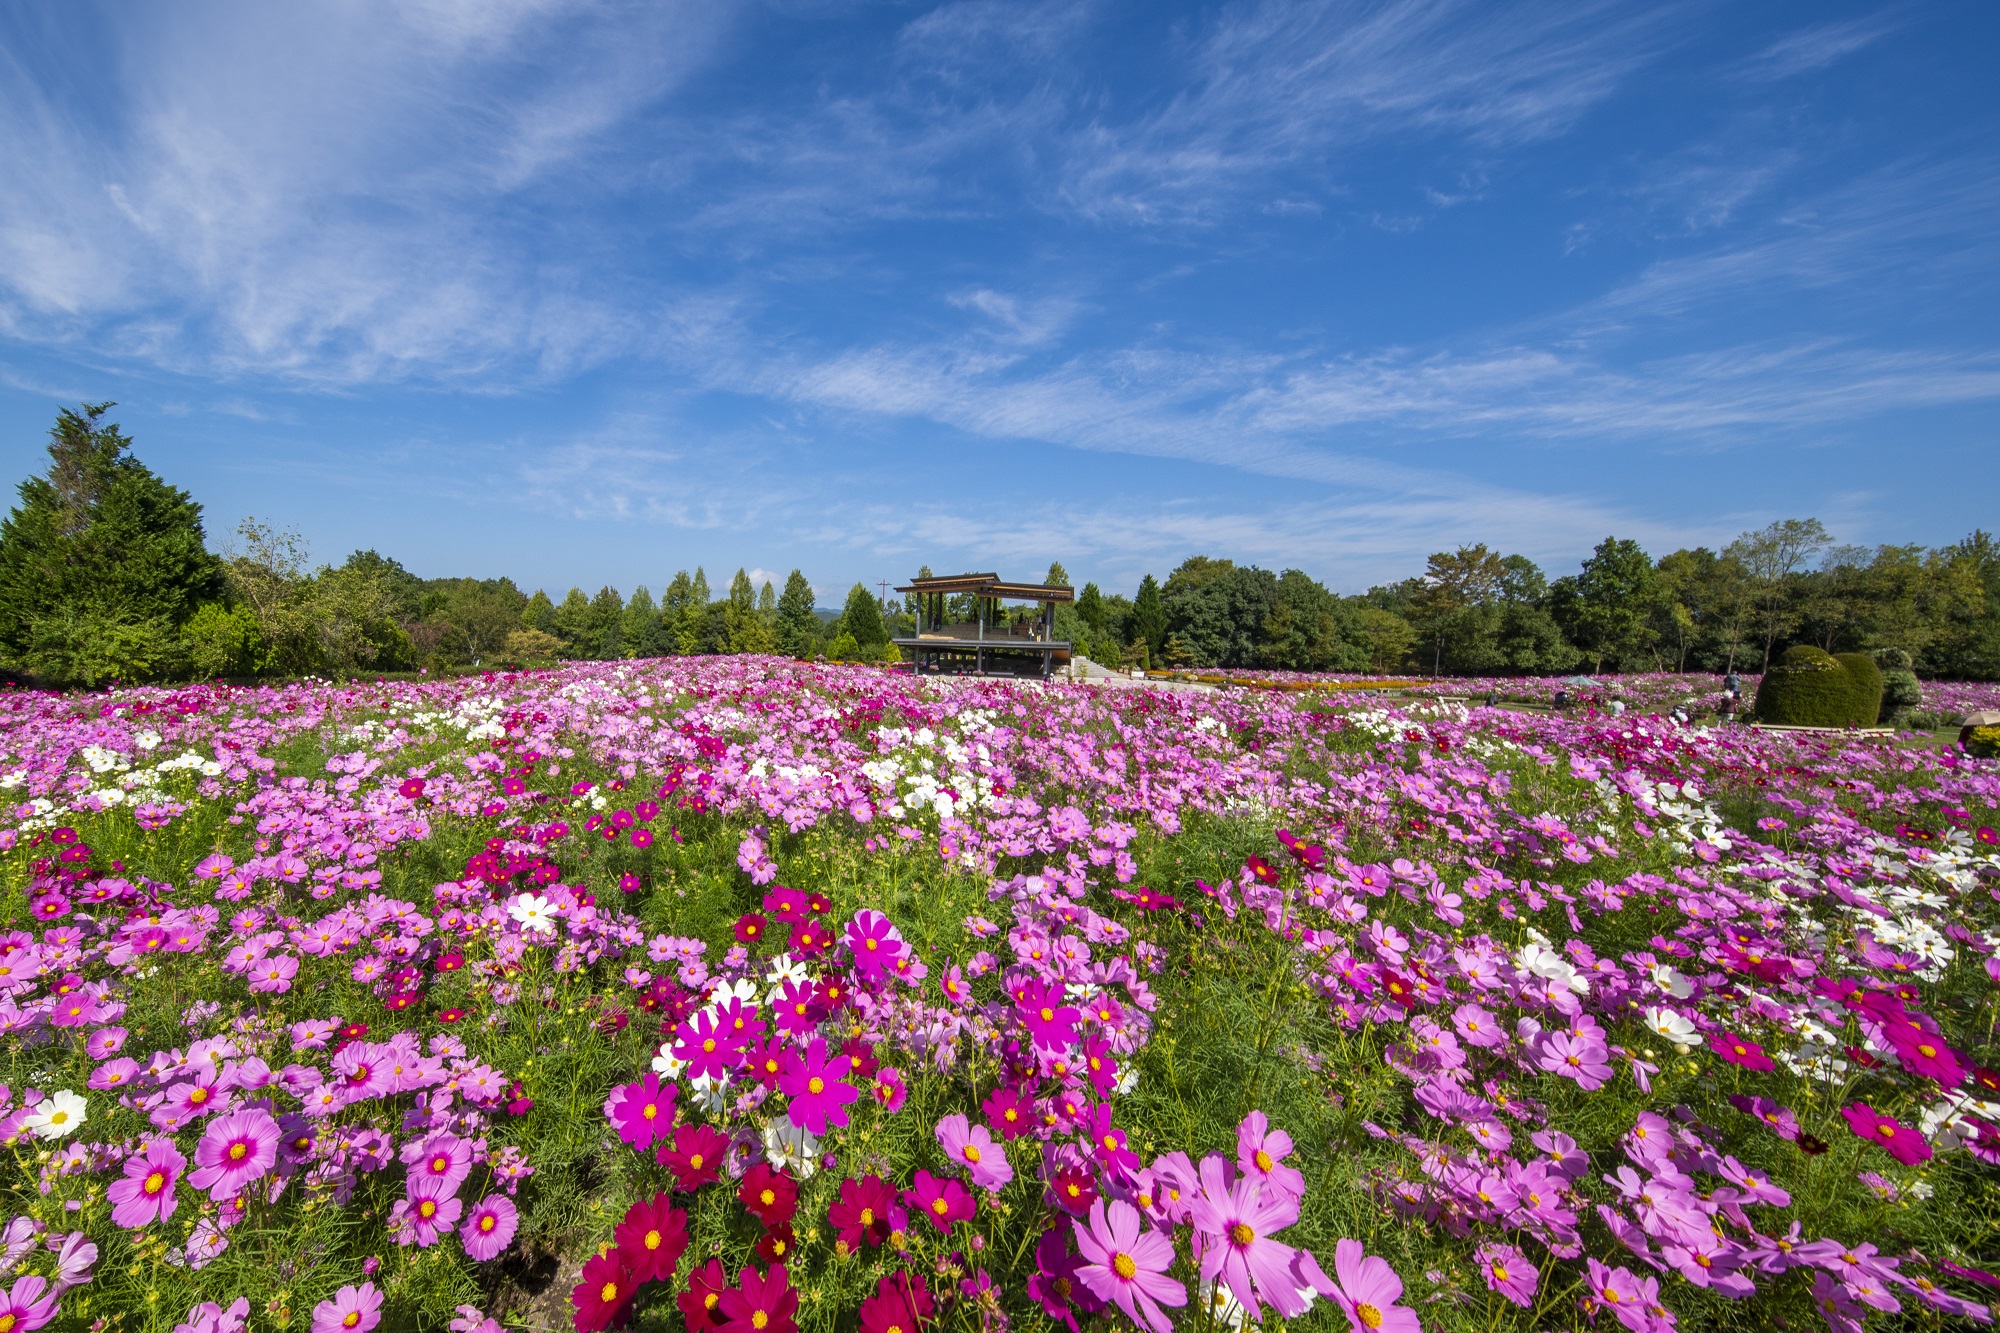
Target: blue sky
585 293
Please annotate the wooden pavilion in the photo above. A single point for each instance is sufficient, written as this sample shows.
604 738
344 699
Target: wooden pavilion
990 643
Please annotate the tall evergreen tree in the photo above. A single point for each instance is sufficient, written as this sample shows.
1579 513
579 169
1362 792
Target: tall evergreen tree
862 618
540 613
571 624
798 625
1148 623
741 595
641 625
101 563
605 637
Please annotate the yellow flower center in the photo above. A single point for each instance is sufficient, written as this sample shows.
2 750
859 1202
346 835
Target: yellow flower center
940 1207
608 1292
1368 1314
1124 1266
1242 1234
815 1086
651 1112
867 1217
156 1182
198 1096
758 1319
1263 1160
238 1151
488 1222
768 1197
653 1239
1499 1272
972 1153
1048 1014
427 1209
694 1161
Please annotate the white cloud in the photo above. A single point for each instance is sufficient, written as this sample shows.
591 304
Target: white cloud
331 194
1817 47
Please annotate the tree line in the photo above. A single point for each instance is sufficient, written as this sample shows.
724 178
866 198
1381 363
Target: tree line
106 575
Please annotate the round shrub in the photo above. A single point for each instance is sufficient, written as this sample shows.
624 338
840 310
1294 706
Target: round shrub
1900 691
1807 688
1864 688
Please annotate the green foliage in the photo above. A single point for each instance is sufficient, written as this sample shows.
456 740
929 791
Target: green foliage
1606 608
1864 687
1148 622
798 626
1901 692
844 648
862 618
220 640
1809 688
100 547
1386 638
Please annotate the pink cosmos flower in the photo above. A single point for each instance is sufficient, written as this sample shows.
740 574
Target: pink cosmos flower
428 1212
238 1148
1508 1272
1236 1221
443 1158
984 1160
1740 1051
941 1199
1126 1262
643 1112
1055 1286
1260 1152
273 974
27 1305
873 940
352 1310
146 1194
1050 1022
1573 1057
1367 1289
1901 1142
818 1096
705 1048
489 1227
105 1042
111 1074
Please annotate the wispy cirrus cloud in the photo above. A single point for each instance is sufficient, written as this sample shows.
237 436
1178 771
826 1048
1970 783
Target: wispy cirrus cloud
337 195
1821 45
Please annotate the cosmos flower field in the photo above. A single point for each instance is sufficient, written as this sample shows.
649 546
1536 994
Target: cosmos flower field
743 995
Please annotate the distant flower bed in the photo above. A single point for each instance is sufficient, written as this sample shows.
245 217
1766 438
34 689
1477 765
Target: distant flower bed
754 996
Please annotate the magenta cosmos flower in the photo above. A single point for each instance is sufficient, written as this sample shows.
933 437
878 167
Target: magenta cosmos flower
1901 1142
146 1194
490 1227
28 1304
940 1198
818 1096
352 1310
1237 1223
1368 1289
1126 1262
971 1145
643 1112
428 1212
1508 1272
238 1149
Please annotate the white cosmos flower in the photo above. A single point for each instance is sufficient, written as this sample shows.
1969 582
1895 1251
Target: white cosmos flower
790 1148
1674 1027
534 912
1672 982
711 1094
58 1116
665 1065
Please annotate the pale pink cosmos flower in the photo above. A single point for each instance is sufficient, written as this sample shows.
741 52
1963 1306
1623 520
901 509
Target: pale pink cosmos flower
973 1147
1237 1222
352 1310
1126 1264
1260 1153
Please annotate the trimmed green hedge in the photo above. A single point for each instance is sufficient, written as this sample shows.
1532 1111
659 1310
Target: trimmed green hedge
1807 688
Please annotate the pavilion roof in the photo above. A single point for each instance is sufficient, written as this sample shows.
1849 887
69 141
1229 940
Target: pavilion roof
992 585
